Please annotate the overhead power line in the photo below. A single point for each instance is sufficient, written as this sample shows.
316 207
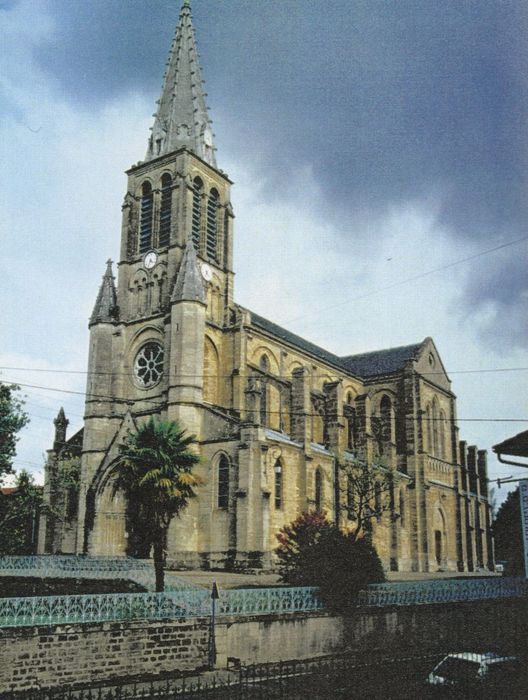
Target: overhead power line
420 275
160 404
229 376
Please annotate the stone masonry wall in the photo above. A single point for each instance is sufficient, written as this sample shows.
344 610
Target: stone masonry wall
46 657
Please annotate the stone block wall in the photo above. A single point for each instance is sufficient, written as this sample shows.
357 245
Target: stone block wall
61 655
46 657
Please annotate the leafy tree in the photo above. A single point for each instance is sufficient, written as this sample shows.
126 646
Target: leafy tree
155 473
314 552
507 533
12 419
19 513
367 491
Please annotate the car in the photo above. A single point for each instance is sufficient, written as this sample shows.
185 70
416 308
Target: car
467 670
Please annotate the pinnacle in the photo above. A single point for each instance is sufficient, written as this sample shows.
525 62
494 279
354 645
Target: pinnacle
105 309
189 285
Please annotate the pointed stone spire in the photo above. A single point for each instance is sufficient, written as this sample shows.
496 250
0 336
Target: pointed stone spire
182 119
60 423
105 309
189 283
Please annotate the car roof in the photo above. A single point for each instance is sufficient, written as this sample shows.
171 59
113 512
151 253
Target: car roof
489 657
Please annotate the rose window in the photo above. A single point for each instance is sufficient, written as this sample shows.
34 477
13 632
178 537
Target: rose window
148 366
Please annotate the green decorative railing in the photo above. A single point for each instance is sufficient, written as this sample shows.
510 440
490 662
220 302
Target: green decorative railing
90 567
442 591
48 610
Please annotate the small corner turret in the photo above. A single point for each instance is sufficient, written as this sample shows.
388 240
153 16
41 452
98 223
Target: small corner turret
61 424
105 309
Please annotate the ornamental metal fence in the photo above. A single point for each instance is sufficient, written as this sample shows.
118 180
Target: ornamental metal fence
340 677
90 567
47 610
457 590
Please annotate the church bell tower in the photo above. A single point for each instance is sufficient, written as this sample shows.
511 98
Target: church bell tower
174 277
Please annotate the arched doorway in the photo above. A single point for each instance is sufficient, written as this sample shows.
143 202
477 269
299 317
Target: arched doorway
109 536
439 538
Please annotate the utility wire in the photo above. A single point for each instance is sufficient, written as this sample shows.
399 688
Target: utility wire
230 376
414 277
160 404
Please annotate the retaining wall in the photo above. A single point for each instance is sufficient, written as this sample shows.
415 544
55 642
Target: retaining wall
51 656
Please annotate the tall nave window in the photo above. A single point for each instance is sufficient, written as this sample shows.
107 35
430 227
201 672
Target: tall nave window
223 482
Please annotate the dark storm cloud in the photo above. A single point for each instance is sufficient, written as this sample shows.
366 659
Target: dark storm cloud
388 101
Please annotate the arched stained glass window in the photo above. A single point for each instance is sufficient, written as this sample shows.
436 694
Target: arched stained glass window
196 225
386 419
264 365
165 210
318 490
145 226
402 508
212 224
223 482
278 484
350 497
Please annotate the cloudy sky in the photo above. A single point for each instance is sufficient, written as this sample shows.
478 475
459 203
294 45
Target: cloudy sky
379 159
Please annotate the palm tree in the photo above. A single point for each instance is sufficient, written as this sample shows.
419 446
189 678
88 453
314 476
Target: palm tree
154 471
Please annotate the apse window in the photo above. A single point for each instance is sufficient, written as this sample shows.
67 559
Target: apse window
148 366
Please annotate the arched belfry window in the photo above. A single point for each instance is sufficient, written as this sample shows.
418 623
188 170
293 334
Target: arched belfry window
145 226
212 224
165 210
223 482
278 484
196 225
318 490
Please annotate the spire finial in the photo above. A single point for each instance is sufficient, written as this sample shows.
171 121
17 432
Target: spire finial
182 120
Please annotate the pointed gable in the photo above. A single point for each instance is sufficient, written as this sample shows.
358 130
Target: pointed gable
182 119
105 309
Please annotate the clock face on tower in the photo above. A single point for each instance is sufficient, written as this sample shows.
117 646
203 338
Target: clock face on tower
150 259
206 271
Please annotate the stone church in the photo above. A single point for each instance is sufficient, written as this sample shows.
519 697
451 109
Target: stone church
276 416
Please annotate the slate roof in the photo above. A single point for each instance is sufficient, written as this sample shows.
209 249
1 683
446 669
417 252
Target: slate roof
295 340
369 364
372 364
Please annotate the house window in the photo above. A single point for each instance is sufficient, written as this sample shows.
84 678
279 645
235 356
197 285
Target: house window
223 482
165 210
278 485
196 225
145 227
212 225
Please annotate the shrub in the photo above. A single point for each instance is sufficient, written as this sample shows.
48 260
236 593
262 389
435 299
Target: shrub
314 552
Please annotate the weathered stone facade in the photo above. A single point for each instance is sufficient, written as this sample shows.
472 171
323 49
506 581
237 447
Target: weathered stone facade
275 415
